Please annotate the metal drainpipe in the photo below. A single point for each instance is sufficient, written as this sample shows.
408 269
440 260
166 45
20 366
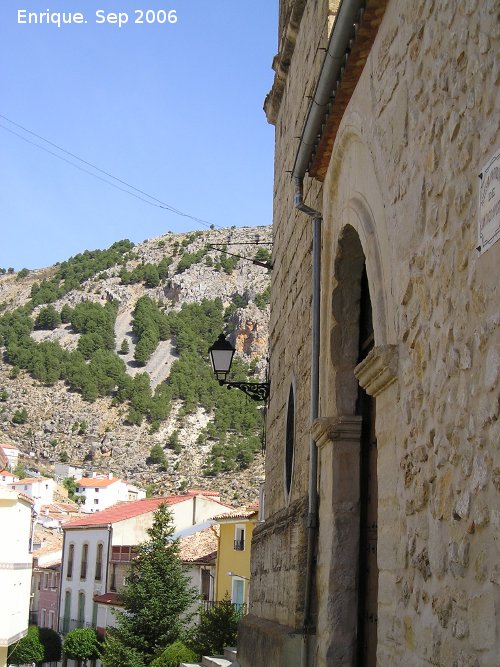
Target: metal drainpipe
312 521
348 15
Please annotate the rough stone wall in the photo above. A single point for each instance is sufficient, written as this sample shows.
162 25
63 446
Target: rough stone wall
420 125
425 113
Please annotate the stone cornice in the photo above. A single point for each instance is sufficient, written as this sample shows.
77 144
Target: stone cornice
379 370
341 429
281 61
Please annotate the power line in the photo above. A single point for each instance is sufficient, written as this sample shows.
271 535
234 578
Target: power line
159 203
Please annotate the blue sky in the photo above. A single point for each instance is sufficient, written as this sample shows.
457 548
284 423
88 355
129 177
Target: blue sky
173 109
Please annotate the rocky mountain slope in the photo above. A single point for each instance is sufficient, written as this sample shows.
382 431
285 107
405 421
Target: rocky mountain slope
95 434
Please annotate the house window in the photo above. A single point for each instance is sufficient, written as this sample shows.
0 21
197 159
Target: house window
42 618
94 615
96 490
98 563
83 566
51 620
113 577
289 440
45 581
96 501
239 538
81 609
67 611
71 556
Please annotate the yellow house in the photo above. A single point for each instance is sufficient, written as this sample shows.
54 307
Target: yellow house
233 556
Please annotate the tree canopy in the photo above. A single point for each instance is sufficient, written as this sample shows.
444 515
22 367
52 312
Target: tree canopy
156 597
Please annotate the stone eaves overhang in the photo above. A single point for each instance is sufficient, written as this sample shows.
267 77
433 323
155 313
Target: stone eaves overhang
361 47
365 36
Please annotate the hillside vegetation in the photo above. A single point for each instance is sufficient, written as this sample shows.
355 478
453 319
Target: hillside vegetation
177 289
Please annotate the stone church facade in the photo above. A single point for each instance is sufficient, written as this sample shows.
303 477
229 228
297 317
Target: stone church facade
381 539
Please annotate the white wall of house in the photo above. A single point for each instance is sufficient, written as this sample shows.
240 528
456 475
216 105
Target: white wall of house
98 497
64 470
41 489
72 581
12 455
15 565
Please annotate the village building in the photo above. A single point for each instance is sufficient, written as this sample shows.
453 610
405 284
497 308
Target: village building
100 492
15 567
10 455
99 547
380 541
41 489
233 554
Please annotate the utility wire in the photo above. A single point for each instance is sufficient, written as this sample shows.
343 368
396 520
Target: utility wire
159 203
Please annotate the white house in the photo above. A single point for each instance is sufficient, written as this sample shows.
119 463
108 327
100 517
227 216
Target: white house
11 453
98 548
41 489
100 492
7 477
15 567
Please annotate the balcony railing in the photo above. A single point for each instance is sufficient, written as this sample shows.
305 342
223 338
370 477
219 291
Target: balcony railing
210 604
239 545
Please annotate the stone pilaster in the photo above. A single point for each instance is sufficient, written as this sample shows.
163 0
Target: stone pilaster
338 442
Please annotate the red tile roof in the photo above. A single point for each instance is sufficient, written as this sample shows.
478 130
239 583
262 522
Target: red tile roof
109 598
7 473
98 482
125 510
200 547
246 512
5 446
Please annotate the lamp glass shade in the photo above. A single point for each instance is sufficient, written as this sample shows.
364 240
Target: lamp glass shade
221 356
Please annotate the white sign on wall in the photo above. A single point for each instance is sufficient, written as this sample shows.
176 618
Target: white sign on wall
489 204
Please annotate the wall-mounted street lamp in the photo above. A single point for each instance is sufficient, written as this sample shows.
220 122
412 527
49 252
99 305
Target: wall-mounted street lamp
221 357
233 574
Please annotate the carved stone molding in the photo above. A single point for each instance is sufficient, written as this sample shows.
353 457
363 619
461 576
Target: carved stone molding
327 430
379 370
281 61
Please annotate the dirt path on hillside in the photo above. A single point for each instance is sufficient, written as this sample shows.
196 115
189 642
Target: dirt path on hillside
158 366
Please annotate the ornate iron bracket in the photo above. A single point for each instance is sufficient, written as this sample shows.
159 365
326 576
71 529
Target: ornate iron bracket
257 391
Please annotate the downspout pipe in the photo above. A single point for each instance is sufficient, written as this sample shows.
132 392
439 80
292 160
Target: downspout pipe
312 521
343 32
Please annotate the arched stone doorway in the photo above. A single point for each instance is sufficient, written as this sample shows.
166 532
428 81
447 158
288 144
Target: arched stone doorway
348 488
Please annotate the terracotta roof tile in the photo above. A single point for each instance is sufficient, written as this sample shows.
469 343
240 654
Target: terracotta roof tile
6 446
245 512
7 473
98 482
109 598
125 510
200 547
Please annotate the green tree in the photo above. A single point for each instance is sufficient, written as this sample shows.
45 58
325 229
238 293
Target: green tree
52 644
124 348
22 274
115 652
28 649
20 470
173 655
70 485
81 644
47 318
156 596
157 455
20 416
218 628
66 313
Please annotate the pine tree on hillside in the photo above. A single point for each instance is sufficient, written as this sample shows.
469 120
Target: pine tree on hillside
155 598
